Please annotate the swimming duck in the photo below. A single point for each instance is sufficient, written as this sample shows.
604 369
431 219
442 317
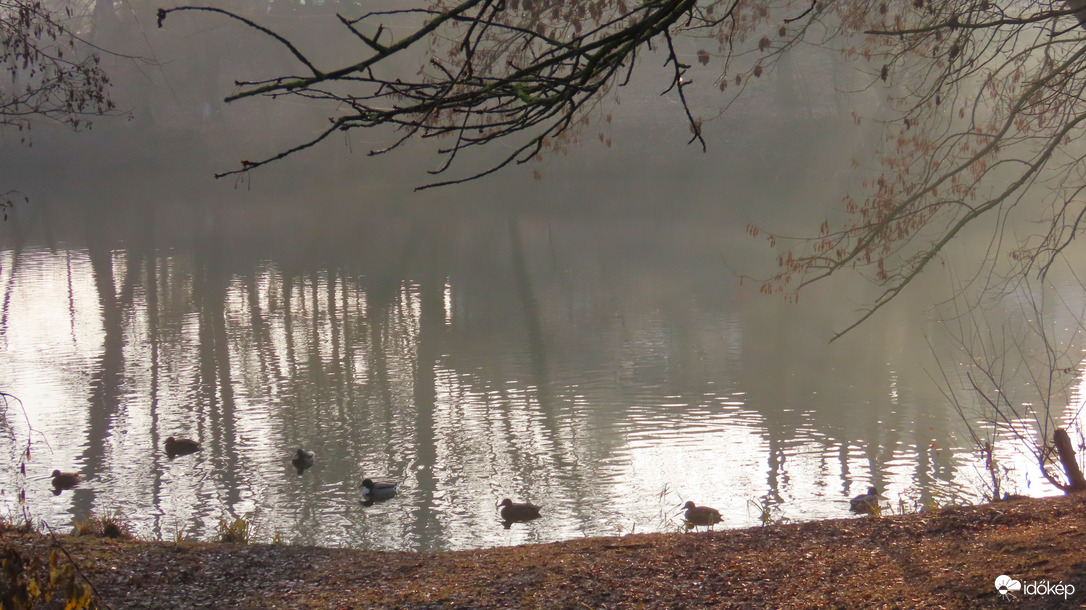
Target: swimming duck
65 480
374 492
180 446
522 511
303 459
701 515
866 503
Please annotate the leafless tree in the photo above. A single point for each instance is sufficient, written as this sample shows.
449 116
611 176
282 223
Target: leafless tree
986 101
1019 375
50 74
494 70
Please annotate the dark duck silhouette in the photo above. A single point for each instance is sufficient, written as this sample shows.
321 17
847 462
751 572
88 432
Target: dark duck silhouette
377 491
517 512
180 446
303 459
701 515
866 503
64 480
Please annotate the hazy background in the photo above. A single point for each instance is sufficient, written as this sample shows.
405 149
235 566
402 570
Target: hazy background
580 339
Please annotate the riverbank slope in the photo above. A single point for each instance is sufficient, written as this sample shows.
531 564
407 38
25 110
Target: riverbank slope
949 558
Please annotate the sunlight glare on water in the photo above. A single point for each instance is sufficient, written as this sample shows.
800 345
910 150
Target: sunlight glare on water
607 366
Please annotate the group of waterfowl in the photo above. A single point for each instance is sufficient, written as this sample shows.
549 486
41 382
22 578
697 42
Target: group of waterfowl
372 491
379 491
174 447
867 503
511 512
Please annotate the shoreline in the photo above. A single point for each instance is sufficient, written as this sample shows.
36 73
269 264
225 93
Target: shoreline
946 558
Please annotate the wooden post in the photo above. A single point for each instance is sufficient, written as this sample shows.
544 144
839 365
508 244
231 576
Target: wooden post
1066 452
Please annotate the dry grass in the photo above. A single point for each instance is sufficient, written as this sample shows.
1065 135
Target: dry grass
943 559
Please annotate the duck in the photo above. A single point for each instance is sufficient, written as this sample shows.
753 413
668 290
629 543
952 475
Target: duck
866 503
375 492
518 511
65 480
303 459
180 446
701 515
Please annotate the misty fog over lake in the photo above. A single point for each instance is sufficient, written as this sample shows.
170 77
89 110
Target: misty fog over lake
573 332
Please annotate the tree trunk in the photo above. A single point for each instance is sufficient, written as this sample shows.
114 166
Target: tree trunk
1079 7
1066 452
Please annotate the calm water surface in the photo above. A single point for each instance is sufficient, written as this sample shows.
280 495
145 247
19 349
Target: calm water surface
581 342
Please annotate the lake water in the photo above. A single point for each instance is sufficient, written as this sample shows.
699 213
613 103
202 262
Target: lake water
580 341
